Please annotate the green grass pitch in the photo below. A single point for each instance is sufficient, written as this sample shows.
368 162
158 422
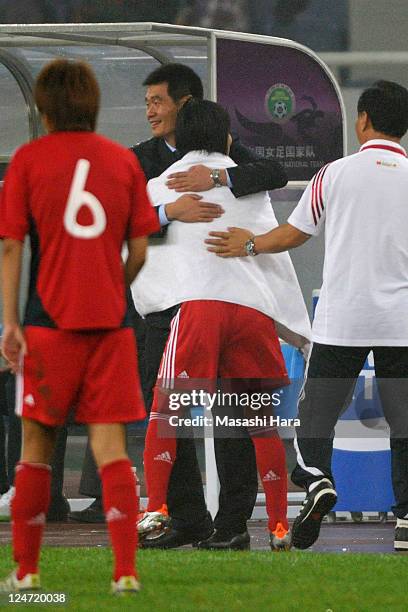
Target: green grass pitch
196 581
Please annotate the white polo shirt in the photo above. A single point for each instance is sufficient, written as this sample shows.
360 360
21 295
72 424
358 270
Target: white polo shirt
362 200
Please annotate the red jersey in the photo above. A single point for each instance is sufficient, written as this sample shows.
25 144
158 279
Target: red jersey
79 196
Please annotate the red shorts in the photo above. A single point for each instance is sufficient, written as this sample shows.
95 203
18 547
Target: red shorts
210 339
94 373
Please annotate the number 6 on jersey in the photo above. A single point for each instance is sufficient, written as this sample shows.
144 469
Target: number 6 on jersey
77 198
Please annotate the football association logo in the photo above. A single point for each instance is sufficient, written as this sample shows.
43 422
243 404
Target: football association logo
280 102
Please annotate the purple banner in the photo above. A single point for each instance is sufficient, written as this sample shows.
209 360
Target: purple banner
282 104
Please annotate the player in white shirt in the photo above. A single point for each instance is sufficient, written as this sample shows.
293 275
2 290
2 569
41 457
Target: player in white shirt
362 202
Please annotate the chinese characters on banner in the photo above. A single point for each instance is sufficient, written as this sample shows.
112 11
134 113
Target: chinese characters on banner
282 104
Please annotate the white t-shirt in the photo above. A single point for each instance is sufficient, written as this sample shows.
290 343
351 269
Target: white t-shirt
362 200
180 268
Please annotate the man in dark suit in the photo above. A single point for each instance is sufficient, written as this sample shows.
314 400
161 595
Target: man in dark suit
168 88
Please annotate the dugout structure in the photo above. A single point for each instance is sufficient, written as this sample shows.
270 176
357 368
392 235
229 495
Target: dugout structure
283 101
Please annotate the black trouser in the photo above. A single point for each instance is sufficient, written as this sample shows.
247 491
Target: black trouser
14 430
330 378
3 465
237 472
4 485
185 498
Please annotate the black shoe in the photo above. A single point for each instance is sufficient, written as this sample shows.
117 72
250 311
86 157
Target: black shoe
318 502
92 514
173 538
401 535
222 540
58 510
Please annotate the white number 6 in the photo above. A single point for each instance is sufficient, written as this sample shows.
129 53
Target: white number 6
77 198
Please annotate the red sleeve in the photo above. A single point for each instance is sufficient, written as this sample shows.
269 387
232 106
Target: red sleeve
143 218
14 202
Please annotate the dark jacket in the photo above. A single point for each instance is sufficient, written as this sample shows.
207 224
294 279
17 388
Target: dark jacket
250 176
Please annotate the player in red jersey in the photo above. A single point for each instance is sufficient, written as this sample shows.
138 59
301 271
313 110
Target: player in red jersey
78 196
225 336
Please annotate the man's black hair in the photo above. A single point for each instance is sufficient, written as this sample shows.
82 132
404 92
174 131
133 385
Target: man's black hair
202 125
181 81
386 104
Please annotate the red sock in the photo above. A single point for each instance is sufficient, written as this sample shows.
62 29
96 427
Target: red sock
29 509
271 463
121 506
159 456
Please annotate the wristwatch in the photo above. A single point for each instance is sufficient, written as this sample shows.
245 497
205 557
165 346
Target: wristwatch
215 176
250 247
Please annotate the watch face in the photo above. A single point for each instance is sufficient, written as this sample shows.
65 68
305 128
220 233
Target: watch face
250 247
215 175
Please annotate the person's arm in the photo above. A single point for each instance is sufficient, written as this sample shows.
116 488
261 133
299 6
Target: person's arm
197 178
191 208
233 242
249 176
14 226
136 257
13 342
252 174
188 208
305 221
154 157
